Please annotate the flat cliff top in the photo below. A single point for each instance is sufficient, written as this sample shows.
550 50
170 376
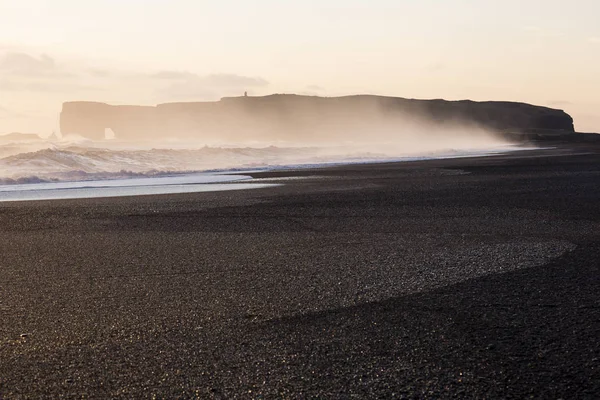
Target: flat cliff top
284 97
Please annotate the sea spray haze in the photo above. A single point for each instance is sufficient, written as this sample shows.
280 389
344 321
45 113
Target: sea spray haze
111 160
299 134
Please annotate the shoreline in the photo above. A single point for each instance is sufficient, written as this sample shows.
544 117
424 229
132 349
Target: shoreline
184 182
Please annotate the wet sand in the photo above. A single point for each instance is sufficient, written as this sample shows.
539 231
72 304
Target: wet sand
456 278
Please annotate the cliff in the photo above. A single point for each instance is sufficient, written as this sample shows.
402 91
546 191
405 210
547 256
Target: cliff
289 117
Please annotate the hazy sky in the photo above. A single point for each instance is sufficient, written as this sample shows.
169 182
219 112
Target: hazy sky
545 52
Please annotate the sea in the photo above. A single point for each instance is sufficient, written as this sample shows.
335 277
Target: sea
75 167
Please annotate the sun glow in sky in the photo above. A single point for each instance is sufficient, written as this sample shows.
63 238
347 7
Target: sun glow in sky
153 51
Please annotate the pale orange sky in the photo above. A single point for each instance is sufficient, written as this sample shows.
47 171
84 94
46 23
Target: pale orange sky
153 51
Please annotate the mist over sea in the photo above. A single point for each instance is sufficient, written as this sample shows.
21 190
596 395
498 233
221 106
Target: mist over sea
79 159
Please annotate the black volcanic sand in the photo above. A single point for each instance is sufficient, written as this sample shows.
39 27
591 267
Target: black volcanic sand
462 278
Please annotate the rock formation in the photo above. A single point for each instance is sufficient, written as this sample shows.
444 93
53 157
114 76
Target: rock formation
291 117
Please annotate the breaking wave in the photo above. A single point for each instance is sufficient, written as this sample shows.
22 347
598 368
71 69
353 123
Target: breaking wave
77 163
82 162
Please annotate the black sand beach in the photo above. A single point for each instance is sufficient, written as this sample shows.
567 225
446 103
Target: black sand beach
459 278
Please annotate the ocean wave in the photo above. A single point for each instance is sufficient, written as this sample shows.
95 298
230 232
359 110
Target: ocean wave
81 163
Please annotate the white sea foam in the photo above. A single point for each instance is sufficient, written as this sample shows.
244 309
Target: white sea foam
90 163
74 169
126 187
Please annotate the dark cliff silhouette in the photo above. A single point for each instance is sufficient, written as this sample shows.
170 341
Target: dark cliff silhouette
290 117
